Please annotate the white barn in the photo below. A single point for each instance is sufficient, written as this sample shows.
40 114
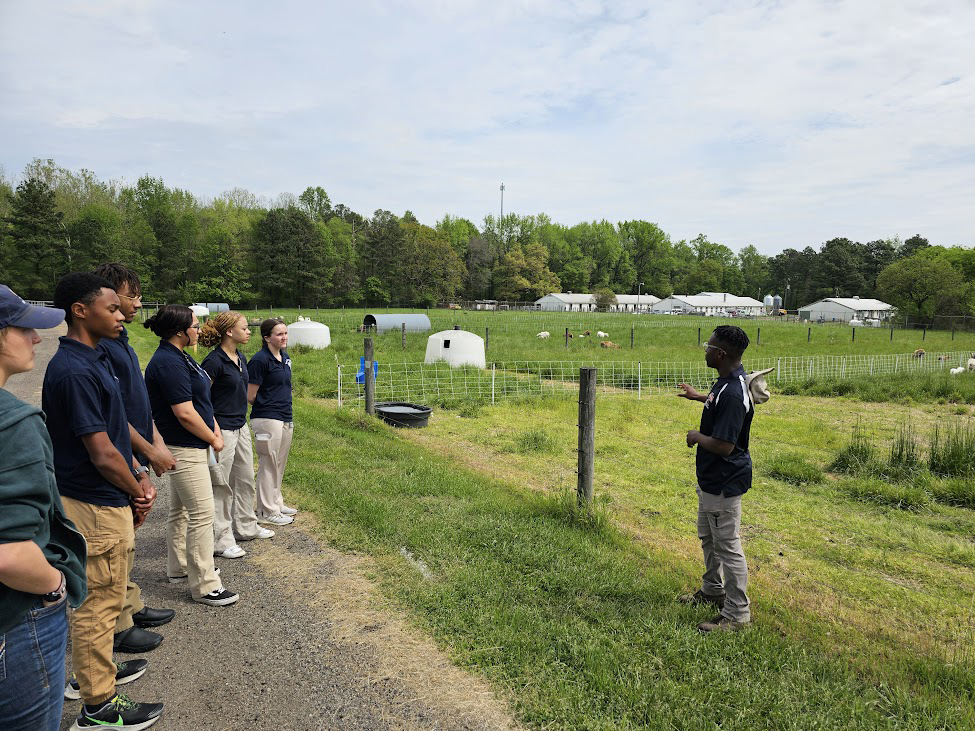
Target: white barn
844 309
456 347
569 302
708 303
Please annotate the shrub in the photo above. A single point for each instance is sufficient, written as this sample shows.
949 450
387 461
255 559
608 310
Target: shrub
858 457
794 469
952 450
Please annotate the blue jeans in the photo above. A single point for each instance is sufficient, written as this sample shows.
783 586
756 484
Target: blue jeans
32 670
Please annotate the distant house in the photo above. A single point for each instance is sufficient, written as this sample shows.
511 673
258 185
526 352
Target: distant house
844 309
709 303
569 302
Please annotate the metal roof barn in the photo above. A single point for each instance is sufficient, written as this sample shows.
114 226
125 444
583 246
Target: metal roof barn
387 323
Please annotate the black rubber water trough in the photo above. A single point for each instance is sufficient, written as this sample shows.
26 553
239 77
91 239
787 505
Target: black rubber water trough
400 413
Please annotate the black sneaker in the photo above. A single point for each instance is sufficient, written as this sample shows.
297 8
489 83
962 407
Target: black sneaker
218 598
125 672
119 713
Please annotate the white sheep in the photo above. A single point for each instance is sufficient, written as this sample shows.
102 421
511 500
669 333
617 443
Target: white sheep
543 334
956 371
971 364
601 334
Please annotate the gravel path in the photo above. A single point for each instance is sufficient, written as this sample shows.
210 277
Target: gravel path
308 646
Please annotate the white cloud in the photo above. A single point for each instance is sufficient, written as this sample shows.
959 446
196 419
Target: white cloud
778 124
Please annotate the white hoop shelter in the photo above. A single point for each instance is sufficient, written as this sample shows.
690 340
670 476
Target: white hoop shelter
309 332
201 311
456 347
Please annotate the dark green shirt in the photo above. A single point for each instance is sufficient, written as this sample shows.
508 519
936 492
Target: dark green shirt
30 506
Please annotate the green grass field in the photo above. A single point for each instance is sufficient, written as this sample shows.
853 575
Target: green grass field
863 584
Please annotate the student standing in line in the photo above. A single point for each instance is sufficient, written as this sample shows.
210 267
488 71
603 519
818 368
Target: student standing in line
179 392
271 420
101 493
724 474
42 556
234 490
148 449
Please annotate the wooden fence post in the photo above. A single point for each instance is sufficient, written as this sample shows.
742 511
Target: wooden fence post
404 335
567 338
370 378
809 336
891 334
587 434
759 339
924 332
699 336
632 334
854 339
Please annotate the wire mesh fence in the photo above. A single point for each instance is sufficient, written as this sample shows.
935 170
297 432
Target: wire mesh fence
438 381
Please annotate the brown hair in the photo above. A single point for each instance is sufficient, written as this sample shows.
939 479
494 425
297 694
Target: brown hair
169 320
267 327
216 327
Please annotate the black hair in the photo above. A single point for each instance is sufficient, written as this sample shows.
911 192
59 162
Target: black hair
80 287
119 274
732 338
267 327
169 320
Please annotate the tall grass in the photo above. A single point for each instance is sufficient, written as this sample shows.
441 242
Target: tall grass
952 450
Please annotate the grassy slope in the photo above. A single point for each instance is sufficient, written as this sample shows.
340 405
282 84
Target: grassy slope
864 615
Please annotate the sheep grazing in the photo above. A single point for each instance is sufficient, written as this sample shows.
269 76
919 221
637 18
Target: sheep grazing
586 334
971 363
608 344
601 334
944 358
956 371
919 353
543 334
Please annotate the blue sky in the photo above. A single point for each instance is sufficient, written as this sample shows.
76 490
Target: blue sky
778 124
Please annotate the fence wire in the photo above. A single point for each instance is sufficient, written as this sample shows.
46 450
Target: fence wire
419 382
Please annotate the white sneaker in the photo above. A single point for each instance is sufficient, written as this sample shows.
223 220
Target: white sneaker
288 511
232 552
276 519
265 533
184 577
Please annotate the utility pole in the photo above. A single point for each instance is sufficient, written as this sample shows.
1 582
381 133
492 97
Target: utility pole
501 220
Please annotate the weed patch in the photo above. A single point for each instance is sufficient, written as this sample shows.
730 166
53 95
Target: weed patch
793 468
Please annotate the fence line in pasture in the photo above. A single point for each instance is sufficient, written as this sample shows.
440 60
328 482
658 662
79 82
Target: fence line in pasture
419 381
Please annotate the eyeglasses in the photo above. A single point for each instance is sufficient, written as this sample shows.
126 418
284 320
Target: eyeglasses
197 326
137 298
715 347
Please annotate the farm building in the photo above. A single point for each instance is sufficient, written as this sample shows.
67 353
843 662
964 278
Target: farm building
386 323
457 347
709 303
569 302
844 309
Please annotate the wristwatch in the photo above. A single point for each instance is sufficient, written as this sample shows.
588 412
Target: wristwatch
54 596
140 470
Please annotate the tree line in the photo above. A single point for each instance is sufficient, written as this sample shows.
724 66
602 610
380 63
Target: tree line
305 250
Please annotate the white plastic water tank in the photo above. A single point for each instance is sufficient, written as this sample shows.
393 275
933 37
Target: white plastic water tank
309 332
457 347
856 323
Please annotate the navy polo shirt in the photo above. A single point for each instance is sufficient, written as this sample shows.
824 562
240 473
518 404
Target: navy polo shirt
229 390
727 416
81 396
274 378
173 377
125 364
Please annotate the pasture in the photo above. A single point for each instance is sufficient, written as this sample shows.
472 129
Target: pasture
863 581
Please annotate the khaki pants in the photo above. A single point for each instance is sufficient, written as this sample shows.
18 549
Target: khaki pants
272 440
133 600
189 527
725 568
234 491
111 546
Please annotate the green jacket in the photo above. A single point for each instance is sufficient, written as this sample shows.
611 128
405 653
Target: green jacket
30 506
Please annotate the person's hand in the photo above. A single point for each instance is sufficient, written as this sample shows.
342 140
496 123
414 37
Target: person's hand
138 518
144 504
688 392
162 460
692 437
217 443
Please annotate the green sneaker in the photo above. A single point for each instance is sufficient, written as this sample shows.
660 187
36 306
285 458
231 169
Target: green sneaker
125 672
119 713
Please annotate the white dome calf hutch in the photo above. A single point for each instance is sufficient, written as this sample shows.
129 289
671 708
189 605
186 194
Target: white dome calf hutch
456 347
309 332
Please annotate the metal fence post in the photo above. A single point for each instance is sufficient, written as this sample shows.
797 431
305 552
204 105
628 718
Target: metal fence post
340 387
587 434
493 372
370 378
632 335
639 380
487 338
699 336
404 335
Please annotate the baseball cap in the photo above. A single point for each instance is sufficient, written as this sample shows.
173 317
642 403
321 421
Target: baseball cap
757 388
16 312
